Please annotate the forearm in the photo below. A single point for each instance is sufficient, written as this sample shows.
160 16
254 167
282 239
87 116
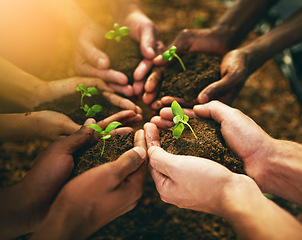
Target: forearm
253 216
234 25
273 42
18 88
283 175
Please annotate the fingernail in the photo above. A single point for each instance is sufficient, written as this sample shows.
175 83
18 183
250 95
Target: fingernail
89 121
100 63
141 152
204 98
151 149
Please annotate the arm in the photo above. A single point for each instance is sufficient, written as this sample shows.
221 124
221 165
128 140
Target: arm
188 182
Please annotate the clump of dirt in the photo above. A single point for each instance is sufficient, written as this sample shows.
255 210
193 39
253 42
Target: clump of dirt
114 148
202 70
210 144
124 56
70 106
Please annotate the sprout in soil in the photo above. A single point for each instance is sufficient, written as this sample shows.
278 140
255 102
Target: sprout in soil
105 133
91 112
86 91
180 119
117 33
170 54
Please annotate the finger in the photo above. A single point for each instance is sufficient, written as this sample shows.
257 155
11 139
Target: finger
148 41
167 101
128 163
140 140
122 102
71 143
157 105
142 69
166 113
121 131
154 80
126 90
97 58
151 135
161 123
215 110
120 116
138 87
148 98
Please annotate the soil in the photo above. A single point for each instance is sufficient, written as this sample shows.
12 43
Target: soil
201 71
70 106
267 102
123 56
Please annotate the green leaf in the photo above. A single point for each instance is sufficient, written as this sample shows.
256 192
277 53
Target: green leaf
96 108
82 87
111 126
176 119
116 25
167 56
86 108
90 113
177 130
118 38
123 31
110 35
186 118
87 94
176 109
92 90
106 136
95 127
172 50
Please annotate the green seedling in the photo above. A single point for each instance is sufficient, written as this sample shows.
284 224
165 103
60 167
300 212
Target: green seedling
91 112
180 120
86 91
105 133
170 54
117 33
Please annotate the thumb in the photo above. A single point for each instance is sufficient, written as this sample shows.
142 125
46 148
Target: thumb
98 58
128 163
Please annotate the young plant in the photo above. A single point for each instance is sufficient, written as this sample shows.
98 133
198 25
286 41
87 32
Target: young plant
91 112
86 91
117 33
105 133
170 54
180 120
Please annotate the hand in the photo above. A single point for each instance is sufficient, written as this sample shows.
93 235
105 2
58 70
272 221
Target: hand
25 204
53 126
187 181
97 196
48 91
234 70
143 30
91 61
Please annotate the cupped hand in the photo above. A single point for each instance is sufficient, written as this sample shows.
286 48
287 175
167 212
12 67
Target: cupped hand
49 91
186 181
28 201
92 62
99 195
234 71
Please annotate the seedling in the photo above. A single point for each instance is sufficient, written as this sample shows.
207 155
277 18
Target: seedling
170 54
105 133
180 120
86 91
91 112
117 33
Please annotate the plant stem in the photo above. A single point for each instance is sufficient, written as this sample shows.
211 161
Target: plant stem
190 128
82 105
103 148
179 59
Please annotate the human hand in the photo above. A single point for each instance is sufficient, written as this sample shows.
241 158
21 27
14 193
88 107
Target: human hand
53 126
143 30
48 91
97 196
234 71
92 62
25 204
188 181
